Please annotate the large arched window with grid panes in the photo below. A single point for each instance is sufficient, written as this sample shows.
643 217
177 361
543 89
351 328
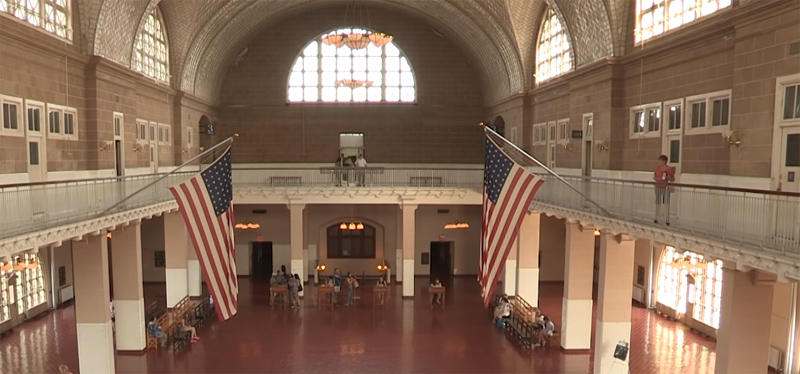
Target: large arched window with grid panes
690 284
553 54
655 17
339 67
150 55
51 15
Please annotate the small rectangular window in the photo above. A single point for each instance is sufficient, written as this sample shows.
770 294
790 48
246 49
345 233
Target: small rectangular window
638 122
792 150
190 136
674 117
699 115
33 150
69 124
791 102
117 126
675 151
54 118
141 131
152 133
10 116
34 119
654 120
720 112
552 133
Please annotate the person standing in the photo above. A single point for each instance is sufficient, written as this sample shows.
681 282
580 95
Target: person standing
663 176
361 162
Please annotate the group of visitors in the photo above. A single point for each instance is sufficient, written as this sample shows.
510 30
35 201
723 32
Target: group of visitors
347 177
349 281
544 327
155 331
291 281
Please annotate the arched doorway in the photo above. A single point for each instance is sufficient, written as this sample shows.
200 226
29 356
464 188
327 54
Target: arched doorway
499 125
690 289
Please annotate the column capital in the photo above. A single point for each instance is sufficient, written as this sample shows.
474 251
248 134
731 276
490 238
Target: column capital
408 206
295 204
619 238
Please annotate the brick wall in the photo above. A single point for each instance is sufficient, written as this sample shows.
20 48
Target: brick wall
440 127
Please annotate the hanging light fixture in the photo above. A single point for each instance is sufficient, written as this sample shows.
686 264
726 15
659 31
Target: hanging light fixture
353 225
343 226
247 225
359 226
456 225
21 265
108 235
33 264
352 83
596 232
6 266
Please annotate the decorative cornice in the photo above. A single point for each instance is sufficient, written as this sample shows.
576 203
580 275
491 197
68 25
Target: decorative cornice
77 231
786 268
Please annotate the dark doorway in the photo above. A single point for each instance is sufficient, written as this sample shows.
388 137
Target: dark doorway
119 168
261 259
441 259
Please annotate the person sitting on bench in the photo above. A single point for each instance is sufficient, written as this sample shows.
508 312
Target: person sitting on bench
183 328
548 331
154 330
502 310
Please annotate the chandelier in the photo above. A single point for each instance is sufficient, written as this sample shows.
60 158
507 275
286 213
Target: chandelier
247 225
351 226
689 262
456 225
352 83
357 39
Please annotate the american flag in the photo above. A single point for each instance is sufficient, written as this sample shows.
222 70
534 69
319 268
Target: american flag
206 202
508 190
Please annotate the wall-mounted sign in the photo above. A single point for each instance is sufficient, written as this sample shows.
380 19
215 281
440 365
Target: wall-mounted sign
577 134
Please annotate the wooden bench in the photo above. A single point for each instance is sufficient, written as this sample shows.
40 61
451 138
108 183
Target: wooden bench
322 297
282 291
152 311
181 309
379 296
438 291
519 328
526 310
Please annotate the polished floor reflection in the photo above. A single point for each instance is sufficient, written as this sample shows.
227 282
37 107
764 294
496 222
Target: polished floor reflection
407 337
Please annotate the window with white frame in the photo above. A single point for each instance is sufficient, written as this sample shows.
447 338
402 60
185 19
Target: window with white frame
563 131
646 120
539 134
34 115
551 132
791 102
62 122
553 54
141 130
709 113
673 113
151 55
350 72
164 134
513 136
119 125
655 17
52 16
152 133
11 111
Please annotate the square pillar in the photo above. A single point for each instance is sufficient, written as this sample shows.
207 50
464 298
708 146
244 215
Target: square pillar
296 230
744 327
194 273
614 303
576 316
398 256
93 304
528 259
510 271
176 246
126 256
409 244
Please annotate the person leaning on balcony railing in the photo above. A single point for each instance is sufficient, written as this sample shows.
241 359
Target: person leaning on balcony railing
361 162
663 175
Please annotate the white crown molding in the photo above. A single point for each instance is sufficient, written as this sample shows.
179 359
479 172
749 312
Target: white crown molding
356 195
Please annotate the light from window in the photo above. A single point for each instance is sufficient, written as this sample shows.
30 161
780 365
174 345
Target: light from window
638 122
655 17
69 124
791 102
674 117
675 289
654 120
151 56
10 116
553 56
320 66
50 15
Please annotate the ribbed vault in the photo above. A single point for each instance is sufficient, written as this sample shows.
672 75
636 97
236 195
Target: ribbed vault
499 36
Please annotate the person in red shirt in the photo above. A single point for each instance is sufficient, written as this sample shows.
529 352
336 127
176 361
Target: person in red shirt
663 175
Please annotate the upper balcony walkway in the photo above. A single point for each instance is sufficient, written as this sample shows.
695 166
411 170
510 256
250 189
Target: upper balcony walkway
752 228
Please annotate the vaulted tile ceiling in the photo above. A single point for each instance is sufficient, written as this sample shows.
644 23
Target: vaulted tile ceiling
499 35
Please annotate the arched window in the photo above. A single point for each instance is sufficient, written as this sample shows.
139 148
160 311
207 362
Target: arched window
51 15
687 280
553 56
351 243
151 56
655 17
332 69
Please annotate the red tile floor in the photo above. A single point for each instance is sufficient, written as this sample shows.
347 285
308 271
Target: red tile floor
407 337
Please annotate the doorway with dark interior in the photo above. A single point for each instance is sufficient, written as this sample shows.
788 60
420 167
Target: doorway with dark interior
261 260
441 264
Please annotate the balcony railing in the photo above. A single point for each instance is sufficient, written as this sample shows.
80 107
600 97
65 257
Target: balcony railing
31 207
376 177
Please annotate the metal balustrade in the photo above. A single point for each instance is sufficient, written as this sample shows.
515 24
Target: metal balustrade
757 219
31 207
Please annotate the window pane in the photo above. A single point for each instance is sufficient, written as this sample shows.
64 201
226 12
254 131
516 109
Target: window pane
675 117
407 94
360 94
392 79
392 94
343 93
296 94
310 79
33 149
675 151
374 94
392 64
792 150
552 55
328 94
407 79
391 50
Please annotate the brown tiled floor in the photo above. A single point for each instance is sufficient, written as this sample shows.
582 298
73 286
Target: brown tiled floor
405 338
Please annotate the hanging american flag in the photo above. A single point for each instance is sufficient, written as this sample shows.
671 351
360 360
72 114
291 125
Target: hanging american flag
508 190
206 202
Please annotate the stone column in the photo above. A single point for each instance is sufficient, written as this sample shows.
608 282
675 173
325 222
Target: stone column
194 272
296 231
398 253
176 245
744 327
613 303
528 259
93 304
126 259
510 271
576 316
409 244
